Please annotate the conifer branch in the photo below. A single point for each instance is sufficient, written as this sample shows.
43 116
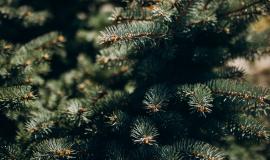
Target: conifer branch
137 33
197 14
244 127
243 8
54 149
127 111
16 94
40 125
198 150
136 14
170 153
25 15
45 41
240 92
10 152
183 6
114 56
157 98
76 111
144 132
109 102
117 120
229 73
199 98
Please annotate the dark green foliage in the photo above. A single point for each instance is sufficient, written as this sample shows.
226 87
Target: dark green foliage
199 97
144 132
190 149
147 82
10 152
136 33
157 98
246 128
53 149
241 92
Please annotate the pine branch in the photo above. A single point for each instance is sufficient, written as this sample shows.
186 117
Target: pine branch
76 111
117 121
16 94
163 11
244 127
110 102
114 56
6 49
10 152
95 92
24 15
144 132
54 149
243 8
183 6
143 3
229 73
170 153
40 126
197 150
199 98
46 41
157 98
136 14
197 14
240 92
35 55
136 33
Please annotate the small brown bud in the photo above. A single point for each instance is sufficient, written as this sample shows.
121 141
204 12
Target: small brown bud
227 30
7 46
28 62
46 57
29 80
81 86
61 38
27 13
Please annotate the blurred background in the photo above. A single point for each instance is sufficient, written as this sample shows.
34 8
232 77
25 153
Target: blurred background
257 72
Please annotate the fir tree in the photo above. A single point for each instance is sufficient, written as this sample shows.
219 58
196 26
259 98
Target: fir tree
159 88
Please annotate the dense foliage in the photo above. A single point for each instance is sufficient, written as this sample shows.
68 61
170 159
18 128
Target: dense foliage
131 80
